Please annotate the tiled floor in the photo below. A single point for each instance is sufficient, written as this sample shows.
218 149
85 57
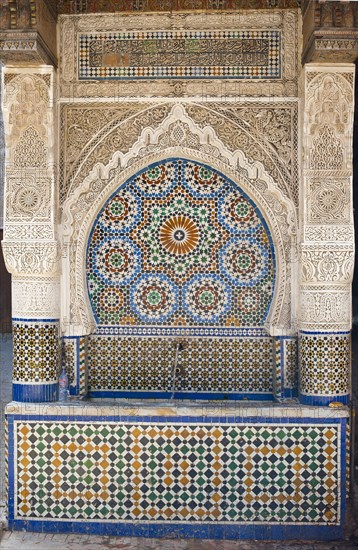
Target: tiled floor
41 541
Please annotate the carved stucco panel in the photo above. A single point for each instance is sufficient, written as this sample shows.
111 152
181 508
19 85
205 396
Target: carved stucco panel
326 308
328 263
264 134
31 257
35 297
285 20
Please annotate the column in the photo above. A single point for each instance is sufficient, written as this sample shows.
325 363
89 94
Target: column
327 233
30 246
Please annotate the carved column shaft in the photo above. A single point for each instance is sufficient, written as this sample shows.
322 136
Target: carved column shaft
30 246
327 246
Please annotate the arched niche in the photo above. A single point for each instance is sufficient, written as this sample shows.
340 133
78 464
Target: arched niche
277 211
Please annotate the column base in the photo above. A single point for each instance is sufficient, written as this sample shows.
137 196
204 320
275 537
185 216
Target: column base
323 400
35 393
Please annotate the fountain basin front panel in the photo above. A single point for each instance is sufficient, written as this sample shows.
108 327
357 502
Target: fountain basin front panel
169 469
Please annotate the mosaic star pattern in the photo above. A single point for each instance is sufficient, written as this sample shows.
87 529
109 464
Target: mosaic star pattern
36 352
180 54
325 364
180 245
215 365
178 471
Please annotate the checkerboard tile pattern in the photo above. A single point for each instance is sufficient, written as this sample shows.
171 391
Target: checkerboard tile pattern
180 54
213 365
170 472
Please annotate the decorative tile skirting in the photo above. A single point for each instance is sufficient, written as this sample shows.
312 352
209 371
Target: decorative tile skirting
204 478
180 54
229 366
325 362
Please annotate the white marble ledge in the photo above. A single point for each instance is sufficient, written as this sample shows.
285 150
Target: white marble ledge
207 410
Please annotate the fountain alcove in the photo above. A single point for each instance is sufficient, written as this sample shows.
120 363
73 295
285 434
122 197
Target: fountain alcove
176 432
182 273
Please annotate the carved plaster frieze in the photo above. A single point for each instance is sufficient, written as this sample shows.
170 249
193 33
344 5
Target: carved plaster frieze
328 263
326 308
36 297
240 129
284 20
329 233
31 257
28 232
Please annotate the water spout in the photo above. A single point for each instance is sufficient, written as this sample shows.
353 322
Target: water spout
179 346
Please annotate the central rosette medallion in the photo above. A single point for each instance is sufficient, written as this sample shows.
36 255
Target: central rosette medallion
179 234
178 245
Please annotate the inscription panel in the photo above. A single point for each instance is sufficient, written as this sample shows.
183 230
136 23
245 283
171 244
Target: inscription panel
180 54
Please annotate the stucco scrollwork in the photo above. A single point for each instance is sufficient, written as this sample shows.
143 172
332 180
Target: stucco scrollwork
328 263
35 297
329 233
31 257
325 308
23 232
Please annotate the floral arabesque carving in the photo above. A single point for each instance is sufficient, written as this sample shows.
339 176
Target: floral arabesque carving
121 133
326 308
30 150
328 115
328 263
35 297
31 257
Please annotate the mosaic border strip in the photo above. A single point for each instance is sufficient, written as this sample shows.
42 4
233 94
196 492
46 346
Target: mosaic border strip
184 332
144 55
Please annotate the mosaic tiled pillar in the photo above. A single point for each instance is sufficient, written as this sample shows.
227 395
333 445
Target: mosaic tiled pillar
327 247
30 246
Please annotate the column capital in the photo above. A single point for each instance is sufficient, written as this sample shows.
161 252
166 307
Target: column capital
330 31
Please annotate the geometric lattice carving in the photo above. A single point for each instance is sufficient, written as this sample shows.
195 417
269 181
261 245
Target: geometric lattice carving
28 197
30 150
327 152
329 201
